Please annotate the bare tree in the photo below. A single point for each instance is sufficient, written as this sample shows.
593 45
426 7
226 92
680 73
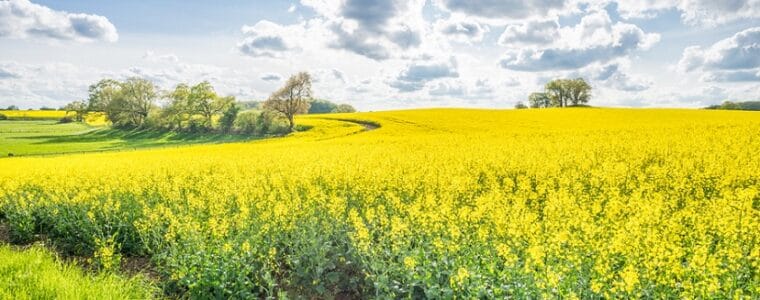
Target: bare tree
292 99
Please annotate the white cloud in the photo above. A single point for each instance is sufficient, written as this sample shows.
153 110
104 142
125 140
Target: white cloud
693 12
530 33
270 77
594 39
712 13
374 29
505 10
418 73
736 58
152 57
23 19
461 30
268 39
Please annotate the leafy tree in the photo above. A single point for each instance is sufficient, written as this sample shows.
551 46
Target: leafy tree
12 107
520 105
565 92
320 106
79 108
177 111
557 92
539 100
133 102
204 101
579 91
291 99
227 121
102 93
344 108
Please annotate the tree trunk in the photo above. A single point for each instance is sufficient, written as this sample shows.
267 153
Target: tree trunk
291 123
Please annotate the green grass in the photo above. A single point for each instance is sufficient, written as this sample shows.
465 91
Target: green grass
23 138
35 273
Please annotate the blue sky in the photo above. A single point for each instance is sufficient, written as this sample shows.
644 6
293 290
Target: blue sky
388 54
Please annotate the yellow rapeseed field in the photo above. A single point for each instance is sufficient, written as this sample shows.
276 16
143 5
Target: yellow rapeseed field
92 118
571 203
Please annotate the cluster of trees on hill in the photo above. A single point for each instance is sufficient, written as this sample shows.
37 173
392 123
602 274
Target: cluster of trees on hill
730 105
138 103
560 93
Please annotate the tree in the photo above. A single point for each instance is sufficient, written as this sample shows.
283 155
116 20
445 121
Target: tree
102 93
565 92
291 99
12 107
344 108
227 121
539 100
178 110
579 91
320 106
520 105
730 105
204 101
557 92
79 108
131 105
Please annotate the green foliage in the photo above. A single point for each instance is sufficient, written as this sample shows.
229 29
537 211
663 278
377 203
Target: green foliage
80 109
3 117
269 122
35 273
227 121
730 105
321 106
539 100
248 105
520 105
126 104
344 108
246 122
562 93
12 107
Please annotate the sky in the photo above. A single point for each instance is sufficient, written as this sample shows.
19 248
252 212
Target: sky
388 54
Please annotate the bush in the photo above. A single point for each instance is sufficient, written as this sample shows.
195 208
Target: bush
344 108
66 119
3 117
246 122
269 122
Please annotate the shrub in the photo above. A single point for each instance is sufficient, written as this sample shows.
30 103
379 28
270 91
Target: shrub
246 122
66 119
270 122
344 108
3 117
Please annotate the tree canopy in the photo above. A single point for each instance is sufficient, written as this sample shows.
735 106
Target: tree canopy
292 99
562 93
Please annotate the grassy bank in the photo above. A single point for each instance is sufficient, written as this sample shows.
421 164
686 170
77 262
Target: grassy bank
35 273
41 137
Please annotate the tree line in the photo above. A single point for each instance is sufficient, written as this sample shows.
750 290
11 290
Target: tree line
731 105
138 103
560 93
